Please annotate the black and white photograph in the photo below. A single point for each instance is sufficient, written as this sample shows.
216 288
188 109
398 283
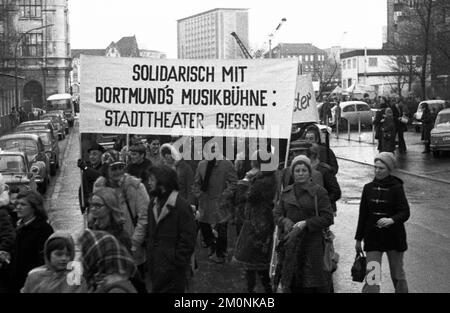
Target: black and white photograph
224 152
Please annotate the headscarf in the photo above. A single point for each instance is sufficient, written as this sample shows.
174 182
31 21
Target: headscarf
103 255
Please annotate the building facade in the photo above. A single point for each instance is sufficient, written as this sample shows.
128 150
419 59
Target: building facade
207 35
36 48
380 72
311 59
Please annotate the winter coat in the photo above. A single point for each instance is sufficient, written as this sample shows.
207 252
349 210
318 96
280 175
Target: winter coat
217 203
327 155
388 135
185 180
139 170
45 279
398 113
427 125
254 244
330 183
7 231
134 199
171 243
89 176
377 123
383 199
28 249
297 204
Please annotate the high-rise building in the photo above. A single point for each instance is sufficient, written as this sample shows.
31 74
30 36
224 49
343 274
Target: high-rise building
207 35
35 48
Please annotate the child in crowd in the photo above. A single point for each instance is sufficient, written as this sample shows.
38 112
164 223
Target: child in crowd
59 274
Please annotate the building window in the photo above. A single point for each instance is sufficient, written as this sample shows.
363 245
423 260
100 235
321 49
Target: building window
354 63
30 8
32 45
373 62
306 58
343 64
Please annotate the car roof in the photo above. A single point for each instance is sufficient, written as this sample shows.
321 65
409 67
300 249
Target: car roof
35 122
20 135
433 101
445 111
32 131
352 102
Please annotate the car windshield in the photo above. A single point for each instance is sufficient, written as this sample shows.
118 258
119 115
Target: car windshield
54 118
31 127
28 146
443 119
12 164
45 137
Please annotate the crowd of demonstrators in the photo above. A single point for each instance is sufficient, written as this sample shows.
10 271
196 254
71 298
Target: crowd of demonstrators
383 211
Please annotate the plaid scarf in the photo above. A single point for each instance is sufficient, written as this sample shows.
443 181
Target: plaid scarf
104 255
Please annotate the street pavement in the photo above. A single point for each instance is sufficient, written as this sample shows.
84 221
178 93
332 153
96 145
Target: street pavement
426 261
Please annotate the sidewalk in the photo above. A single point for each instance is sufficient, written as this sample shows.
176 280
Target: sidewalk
412 163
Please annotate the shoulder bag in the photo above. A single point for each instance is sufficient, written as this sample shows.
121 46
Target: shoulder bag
330 257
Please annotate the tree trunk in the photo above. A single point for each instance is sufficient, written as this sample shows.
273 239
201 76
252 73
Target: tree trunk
426 50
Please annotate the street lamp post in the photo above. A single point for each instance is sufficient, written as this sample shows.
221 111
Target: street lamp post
273 35
15 58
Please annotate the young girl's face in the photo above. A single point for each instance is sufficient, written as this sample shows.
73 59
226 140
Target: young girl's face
59 259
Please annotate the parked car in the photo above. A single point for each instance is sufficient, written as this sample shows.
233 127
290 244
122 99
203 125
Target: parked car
63 118
350 110
16 170
32 146
433 105
65 103
440 134
57 121
51 147
37 125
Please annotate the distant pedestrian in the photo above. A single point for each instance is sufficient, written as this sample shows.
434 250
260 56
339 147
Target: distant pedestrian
107 265
382 213
173 159
54 276
23 116
254 244
427 125
377 122
214 187
388 131
401 124
171 233
303 213
32 232
91 171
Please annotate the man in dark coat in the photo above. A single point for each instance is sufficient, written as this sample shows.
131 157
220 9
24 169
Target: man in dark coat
91 171
171 233
399 111
427 125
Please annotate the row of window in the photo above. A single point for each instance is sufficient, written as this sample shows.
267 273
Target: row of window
352 63
30 8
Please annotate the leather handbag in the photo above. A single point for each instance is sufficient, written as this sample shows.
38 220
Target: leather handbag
359 268
330 257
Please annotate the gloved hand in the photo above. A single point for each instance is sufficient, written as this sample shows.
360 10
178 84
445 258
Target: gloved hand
288 224
81 164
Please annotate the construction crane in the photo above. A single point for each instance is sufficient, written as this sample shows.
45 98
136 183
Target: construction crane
241 45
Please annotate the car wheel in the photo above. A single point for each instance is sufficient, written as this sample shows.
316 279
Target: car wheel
436 153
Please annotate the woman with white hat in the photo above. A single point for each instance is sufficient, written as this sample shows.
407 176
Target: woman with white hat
383 211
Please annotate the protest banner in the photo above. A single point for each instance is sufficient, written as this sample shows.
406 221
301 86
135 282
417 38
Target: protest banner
232 98
305 106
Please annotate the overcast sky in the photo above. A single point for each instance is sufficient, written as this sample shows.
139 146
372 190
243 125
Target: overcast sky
95 23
